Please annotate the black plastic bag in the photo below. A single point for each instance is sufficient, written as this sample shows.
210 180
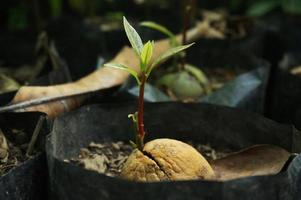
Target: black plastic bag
285 100
246 91
19 50
222 127
27 181
282 34
80 44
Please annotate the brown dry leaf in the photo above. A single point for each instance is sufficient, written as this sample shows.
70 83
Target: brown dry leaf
95 163
3 148
7 84
296 70
107 158
218 24
209 32
253 161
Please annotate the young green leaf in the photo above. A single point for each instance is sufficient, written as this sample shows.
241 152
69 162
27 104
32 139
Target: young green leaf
167 55
161 29
125 68
146 54
157 27
133 37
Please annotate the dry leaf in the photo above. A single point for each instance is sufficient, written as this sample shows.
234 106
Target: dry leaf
3 148
7 84
253 161
95 163
296 70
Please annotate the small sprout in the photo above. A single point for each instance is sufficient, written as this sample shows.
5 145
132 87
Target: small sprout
133 117
146 54
161 159
133 144
147 64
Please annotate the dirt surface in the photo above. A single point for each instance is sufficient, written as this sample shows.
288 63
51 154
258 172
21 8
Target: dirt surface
209 152
109 158
15 151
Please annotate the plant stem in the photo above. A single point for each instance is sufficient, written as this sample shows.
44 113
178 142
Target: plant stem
141 133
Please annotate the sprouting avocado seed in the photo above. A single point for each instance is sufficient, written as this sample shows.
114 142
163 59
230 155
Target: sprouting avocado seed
182 84
166 159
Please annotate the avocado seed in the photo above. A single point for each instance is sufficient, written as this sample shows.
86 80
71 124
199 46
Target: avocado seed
166 159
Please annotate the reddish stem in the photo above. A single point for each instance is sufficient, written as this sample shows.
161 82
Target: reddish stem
141 132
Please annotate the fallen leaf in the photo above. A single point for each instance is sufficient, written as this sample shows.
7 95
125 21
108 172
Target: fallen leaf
3 148
253 161
296 70
7 84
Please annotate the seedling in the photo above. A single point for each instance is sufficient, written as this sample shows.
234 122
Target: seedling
184 80
144 52
143 164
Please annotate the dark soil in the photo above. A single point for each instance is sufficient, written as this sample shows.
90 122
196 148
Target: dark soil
109 158
17 147
209 152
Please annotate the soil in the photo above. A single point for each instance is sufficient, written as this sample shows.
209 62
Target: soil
17 147
209 152
109 158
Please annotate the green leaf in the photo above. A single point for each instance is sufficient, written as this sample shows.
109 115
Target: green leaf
162 29
197 73
133 37
158 27
146 54
167 55
125 68
133 117
263 7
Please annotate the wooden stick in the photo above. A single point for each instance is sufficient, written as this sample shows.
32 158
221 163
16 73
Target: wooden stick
34 136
